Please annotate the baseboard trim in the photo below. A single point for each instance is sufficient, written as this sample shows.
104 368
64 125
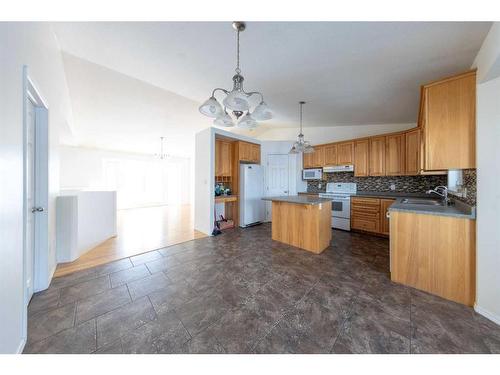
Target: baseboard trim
487 314
20 348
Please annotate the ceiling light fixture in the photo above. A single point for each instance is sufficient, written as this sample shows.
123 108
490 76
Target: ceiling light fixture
301 145
162 155
236 100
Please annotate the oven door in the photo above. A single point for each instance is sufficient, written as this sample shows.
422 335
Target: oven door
341 207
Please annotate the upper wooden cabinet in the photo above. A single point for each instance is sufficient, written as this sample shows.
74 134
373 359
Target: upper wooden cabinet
361 151
248 152
315 159
448 121
331 154
345 151
377 156
223 158
412 152
395 155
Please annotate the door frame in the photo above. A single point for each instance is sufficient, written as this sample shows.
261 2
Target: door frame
41 223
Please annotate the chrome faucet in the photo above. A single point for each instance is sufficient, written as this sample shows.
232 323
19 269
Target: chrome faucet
442 191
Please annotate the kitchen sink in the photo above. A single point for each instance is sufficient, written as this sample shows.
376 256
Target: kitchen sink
425 202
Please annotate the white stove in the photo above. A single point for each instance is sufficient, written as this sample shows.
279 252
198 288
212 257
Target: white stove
340 193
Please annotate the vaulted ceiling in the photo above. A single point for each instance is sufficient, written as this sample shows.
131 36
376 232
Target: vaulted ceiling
351 73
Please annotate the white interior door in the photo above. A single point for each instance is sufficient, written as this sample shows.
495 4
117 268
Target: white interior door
277 178
30 197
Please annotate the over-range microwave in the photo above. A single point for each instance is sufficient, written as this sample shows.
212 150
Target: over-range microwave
312 174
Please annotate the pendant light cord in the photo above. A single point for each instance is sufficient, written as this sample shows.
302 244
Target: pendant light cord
238 70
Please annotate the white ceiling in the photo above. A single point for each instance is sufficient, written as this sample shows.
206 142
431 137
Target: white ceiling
350 73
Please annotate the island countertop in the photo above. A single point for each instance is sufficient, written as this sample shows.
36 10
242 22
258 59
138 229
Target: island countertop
298 199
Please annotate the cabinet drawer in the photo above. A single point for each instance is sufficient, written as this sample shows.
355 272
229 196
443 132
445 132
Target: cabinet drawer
365 214
370 225
365 202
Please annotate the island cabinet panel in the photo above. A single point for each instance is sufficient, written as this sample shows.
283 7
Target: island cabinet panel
412 152
345 153
395 155
449 123
377 156
331 154
435 254
361 158
302 225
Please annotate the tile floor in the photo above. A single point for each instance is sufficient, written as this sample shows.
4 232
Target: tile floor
241 292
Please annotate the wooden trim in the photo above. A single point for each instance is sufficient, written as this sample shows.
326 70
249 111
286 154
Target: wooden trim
450 78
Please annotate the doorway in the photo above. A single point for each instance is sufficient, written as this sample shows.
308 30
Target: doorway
277 179
35 185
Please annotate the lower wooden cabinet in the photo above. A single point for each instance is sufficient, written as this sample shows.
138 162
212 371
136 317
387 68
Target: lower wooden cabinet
384 219
434 253
370 214
365 214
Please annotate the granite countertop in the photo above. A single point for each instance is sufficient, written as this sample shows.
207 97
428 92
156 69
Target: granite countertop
298 199
457 209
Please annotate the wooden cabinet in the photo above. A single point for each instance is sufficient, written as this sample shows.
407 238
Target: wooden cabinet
412 152
377 156
434 253
370 214
384 220
365 214
315 159
223 158
331 154
449 122
248 152
361 149
345 153
395 155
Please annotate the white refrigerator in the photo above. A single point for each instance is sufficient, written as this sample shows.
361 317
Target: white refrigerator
252 207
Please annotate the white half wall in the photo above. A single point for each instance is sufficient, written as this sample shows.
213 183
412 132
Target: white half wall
204 181
34 45
326 134
487 63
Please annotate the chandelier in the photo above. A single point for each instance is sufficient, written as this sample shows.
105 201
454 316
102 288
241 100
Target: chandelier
301 145
235 106
162 155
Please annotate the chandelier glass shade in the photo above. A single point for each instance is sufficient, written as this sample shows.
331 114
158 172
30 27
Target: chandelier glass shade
301 145
236 107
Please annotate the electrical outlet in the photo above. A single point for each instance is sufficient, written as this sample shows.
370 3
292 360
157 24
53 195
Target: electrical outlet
392 187
320 185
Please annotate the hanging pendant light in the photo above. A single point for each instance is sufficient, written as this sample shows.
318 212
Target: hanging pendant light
162 155
301 145
236 100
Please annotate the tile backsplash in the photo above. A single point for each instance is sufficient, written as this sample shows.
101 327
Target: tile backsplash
404 184
469 182
407 184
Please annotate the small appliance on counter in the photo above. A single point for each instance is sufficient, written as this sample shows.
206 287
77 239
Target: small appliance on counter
312 174
340 193
338 168
252 207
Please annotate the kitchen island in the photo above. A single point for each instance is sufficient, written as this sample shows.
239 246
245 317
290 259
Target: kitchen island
302 221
